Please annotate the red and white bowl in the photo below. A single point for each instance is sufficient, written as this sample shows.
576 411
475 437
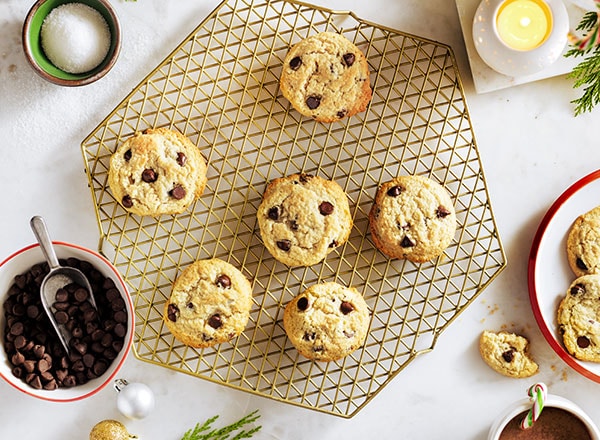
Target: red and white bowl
19 263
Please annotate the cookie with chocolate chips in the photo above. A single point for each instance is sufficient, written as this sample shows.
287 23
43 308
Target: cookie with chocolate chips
327 321
507 353
209 304
158 171
326 77
578 318
412 218
302 218
583 243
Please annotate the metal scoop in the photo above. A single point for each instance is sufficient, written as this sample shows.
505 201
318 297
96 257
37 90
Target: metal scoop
58 277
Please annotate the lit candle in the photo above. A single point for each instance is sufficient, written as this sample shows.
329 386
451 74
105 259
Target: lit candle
524 24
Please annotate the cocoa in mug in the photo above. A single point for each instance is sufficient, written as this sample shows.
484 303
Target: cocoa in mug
553 424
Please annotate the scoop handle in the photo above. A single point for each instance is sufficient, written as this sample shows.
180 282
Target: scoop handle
41 233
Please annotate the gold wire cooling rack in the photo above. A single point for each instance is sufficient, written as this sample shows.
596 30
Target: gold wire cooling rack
220 88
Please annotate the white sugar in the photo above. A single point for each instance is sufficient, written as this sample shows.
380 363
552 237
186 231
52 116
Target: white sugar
75 37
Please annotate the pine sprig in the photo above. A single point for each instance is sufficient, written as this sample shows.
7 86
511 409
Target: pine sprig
587 73
199 432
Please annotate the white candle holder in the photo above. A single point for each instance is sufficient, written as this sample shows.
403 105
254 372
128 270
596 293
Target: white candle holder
514 62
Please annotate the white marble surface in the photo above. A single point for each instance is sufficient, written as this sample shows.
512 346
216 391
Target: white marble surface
532 148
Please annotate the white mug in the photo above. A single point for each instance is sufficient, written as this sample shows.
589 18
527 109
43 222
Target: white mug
553 401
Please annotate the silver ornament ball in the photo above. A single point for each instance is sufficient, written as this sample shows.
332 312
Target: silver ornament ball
134 400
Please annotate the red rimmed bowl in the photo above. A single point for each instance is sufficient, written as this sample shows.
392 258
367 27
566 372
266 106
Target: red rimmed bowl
21 262
549 274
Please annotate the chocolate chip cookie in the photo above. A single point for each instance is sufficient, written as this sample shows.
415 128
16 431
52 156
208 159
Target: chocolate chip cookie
326 77
507 353
158 171
209 304
412 218
578 318
583 244
302 218
327 321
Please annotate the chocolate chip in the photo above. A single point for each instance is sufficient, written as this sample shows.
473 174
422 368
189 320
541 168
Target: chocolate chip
20 342
34 381
349 59
293 224
580 264
334 244
77 332
341 114
295 63
178 192
61 295
39 351
100 367
61 317
181 159
33 311
127 202
346 307
127 155
583 342
304 178
407 242
223 281
17 359
121 316
348 333
120 330
80 346
88 360
274 213
309 336
302 303
16 329
44 365
313 101
190 305
172 312
326 208
69 381
81 294
149 175
577 289
284 245
442 212
215 321
51 385
509 355
394 191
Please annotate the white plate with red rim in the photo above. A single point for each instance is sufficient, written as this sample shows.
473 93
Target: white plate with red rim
549 274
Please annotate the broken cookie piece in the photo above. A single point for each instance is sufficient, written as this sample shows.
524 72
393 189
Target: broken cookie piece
507 353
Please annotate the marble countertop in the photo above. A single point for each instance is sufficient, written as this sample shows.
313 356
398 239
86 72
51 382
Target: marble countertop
532 148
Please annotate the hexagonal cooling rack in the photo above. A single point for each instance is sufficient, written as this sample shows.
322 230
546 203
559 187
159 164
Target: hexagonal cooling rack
220 88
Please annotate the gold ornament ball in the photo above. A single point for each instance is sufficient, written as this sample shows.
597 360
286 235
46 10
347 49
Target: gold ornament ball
110 430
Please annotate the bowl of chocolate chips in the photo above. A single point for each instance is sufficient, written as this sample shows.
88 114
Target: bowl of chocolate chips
99 332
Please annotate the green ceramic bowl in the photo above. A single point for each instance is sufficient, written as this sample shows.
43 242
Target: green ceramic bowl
37 58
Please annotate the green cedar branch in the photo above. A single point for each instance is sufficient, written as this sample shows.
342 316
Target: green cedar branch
587 73
206 432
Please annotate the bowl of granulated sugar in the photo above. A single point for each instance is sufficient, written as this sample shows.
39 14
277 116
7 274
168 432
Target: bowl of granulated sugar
72 43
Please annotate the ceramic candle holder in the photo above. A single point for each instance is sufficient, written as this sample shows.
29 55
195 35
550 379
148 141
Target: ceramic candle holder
520 37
